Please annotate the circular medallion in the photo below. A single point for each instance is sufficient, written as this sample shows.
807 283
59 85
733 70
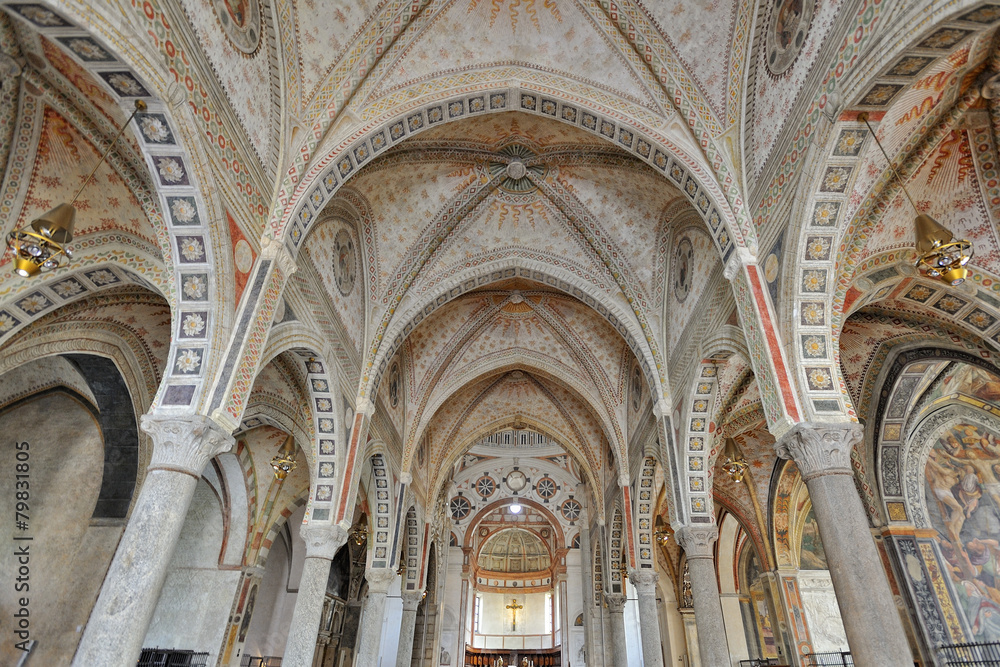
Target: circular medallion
786 34
240 21
683 267
546 487
345 262
516 480
771 268
394 385
460 508
485 486
243 256
571 510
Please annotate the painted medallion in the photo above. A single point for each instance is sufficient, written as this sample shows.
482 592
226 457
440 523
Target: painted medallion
240 20
786 34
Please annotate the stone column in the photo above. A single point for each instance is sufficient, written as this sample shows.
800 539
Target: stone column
182 446
822 453
697 542
322 544
616 612
379 580
649 617
411 600
586 559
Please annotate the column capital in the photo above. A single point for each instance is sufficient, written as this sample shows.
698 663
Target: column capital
697 541
644 581
185 443
615 602
271 249
411 599
819 448
740 258
379 579
323 540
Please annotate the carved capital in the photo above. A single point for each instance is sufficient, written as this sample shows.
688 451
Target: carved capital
411 599
379 579
185 444
405 478
271 249
644 581
323 540
615 602
697 541
820 449
740 258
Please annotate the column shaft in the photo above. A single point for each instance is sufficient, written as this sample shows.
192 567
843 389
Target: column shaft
301 643
616 614
712 642
871 619
374 614
649 617
411 600
182 446
586 556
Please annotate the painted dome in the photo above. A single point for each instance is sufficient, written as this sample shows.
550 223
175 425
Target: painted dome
514 550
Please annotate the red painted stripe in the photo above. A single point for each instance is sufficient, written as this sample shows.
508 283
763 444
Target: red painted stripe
628 526
349 470
772 342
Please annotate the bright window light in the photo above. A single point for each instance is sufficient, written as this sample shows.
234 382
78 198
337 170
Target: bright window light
515 508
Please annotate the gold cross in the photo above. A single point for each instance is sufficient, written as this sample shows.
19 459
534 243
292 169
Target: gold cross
514 606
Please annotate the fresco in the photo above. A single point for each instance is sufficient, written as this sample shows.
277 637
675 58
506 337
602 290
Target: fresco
962 480
812 556
969 380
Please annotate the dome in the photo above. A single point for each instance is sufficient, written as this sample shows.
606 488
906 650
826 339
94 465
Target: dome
514 550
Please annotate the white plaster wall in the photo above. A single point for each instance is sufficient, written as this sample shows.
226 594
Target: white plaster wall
496 618
69 557
826 629
193 609
451 631
391 622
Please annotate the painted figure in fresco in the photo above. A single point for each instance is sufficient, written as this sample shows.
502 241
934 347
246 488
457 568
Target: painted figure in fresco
787 24
963 477
237 11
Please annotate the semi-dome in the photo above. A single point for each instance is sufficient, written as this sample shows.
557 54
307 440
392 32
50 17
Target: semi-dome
514 550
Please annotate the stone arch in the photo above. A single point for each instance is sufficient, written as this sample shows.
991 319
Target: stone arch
645 512
380 501
826 251
616 552
484 511
321 181
194 288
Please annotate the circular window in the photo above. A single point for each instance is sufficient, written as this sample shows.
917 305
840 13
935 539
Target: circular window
546 487
571 510
460 508
485 486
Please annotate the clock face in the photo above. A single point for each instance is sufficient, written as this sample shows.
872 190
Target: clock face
516 480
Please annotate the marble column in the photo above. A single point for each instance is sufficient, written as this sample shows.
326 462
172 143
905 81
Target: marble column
586 561
616 613
697 542
822 453
379 580
649 618
182 446
322 544
411 600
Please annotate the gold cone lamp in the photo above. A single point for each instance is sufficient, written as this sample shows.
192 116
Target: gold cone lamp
41 246
939 255
284 462
734 464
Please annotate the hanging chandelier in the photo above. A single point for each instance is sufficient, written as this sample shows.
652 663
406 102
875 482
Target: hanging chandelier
734 464
284 462
41 246
939 255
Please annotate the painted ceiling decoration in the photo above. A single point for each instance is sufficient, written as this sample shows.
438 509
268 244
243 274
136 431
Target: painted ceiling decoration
483 254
